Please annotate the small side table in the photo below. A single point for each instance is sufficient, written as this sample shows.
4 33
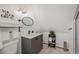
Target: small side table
52 41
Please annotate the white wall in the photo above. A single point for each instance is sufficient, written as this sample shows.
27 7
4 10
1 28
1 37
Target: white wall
55 17
58 18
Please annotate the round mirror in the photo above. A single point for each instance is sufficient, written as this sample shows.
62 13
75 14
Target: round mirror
27 21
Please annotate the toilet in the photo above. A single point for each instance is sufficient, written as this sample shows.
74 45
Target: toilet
10 48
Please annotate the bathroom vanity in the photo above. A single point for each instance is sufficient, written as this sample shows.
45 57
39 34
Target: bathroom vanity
32 43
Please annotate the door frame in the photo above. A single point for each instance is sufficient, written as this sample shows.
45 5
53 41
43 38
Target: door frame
75 29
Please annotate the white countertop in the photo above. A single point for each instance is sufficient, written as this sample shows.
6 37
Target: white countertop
32 35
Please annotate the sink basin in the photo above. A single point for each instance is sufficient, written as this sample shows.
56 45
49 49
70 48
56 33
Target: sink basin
32 35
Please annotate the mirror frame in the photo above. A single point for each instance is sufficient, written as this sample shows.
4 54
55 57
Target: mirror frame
28 18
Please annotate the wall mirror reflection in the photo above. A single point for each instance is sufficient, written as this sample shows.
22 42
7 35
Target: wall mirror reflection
27 21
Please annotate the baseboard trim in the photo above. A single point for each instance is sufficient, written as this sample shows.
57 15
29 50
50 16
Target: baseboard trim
62 48
58 47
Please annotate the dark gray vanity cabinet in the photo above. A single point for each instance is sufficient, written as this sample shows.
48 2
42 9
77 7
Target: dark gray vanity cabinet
33 45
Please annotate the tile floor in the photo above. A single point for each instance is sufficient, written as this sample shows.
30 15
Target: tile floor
51 50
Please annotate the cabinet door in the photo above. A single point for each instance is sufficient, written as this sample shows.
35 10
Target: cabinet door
36 44
26 46
40 42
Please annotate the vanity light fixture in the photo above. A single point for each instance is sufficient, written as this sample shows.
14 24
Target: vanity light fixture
22 11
